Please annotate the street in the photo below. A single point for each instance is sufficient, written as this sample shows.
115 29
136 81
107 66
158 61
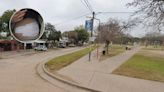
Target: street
18 74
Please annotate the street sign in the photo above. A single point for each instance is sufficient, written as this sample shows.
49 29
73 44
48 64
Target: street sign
88 25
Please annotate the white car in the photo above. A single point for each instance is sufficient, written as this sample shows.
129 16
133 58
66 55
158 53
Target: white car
41 48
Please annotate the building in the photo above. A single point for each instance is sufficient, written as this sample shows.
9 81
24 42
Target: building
10 45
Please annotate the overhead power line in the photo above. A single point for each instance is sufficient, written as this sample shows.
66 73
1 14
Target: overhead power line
84 4
113 12
75 18
87 5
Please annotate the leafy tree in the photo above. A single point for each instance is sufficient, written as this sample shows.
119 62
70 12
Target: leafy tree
82 34
54 35
44 36
49 26
51 33
4 20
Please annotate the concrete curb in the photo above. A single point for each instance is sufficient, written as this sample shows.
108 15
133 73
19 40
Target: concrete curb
56 77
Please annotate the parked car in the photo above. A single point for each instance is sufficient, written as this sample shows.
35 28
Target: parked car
71 45
41 48
62 45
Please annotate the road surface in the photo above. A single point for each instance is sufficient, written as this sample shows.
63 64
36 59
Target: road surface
18 74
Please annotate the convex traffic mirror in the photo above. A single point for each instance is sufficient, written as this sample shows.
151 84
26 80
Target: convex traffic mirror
26 25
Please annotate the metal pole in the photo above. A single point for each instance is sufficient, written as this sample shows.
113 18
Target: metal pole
93 16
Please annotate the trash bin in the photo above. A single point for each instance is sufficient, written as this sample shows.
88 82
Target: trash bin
103 52
126 48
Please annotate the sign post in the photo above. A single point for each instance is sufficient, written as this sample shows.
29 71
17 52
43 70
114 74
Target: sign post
89 27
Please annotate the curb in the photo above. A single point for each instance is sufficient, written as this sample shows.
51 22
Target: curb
56 77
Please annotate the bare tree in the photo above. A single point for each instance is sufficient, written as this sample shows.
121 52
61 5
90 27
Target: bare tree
150 12
124 27
109 32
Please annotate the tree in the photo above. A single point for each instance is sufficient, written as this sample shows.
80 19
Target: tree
51 33
150 12
153 38
72 36
55 36
109 32
82 34
49 26
124 27
4 20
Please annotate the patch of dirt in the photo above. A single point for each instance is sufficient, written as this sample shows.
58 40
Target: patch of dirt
152 53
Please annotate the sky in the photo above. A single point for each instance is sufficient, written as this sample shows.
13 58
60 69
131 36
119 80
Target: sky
68 14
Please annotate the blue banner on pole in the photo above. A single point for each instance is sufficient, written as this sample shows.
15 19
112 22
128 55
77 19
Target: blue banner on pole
88 25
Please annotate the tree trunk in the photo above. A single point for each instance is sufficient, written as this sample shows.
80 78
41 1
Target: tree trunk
107 47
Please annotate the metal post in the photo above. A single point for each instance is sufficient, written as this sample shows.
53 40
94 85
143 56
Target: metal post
25 46
91 34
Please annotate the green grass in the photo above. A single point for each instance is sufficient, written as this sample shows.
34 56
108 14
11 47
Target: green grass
116 49
62 61
143 66
113 51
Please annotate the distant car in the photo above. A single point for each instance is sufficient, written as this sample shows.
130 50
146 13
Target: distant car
71 45
41 48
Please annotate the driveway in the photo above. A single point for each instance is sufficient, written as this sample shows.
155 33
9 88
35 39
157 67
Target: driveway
18 74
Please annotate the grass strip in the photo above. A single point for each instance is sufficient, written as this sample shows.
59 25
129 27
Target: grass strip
113 51
64 60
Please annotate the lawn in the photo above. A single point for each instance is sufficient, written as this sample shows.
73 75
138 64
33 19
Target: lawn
62 61
113 51
145 66
154 48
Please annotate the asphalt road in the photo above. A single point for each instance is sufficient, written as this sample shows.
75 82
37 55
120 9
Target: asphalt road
18 74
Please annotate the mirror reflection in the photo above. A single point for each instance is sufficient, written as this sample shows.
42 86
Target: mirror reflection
26 25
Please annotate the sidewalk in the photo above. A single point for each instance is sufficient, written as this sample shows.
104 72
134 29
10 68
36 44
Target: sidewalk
97 75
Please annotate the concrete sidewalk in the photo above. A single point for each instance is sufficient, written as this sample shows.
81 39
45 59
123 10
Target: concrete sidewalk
97 75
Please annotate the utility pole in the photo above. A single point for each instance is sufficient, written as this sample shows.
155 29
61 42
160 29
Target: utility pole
93 17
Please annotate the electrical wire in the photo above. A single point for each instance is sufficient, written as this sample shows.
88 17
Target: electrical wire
87 5
113 12
84 4
69 20
90 7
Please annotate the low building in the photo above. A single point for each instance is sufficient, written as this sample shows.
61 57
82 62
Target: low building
10 45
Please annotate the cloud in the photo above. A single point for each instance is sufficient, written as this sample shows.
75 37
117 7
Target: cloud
61 11
10 4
